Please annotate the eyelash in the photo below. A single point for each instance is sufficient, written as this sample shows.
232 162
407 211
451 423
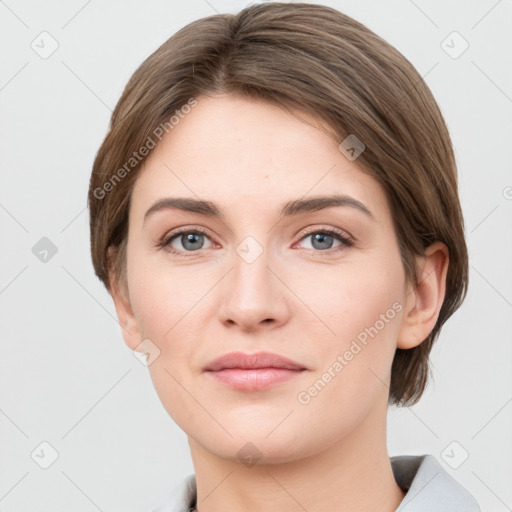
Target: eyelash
164 243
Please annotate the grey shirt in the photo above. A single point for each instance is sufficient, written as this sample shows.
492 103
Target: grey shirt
428 488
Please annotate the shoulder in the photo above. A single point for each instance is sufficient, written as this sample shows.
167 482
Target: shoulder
429 487
181 498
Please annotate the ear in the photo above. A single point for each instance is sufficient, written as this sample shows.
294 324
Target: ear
423 303
120 296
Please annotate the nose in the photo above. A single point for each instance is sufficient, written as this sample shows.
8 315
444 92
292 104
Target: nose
253 296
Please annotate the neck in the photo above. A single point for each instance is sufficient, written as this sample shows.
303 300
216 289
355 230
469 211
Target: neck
353 474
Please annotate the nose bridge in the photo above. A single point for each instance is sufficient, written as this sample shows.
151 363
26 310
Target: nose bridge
252 292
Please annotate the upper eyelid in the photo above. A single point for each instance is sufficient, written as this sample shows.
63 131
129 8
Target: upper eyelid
205 231
314 229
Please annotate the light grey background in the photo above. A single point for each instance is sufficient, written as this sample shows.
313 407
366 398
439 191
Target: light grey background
67 377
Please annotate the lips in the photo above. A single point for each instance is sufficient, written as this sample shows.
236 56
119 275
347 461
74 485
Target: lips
252 361
252 372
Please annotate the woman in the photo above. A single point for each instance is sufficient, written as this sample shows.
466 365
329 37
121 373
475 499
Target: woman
275 214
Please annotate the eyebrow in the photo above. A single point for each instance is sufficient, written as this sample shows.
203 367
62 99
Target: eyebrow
291 208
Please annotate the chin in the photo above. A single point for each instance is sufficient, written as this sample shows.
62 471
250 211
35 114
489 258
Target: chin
251 446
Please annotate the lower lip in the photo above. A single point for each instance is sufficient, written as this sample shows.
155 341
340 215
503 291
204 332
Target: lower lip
254 379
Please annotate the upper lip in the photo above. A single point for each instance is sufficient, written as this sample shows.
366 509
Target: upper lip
251 361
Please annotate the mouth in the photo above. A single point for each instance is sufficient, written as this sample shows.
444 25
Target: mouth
253 372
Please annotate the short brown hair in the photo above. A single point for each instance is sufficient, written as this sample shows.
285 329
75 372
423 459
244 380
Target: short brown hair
314 59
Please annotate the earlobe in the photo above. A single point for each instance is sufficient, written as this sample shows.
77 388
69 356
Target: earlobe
120 296
423 303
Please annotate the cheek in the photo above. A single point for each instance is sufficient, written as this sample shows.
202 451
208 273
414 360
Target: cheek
354 368
350 299
162 297
362 309
167 306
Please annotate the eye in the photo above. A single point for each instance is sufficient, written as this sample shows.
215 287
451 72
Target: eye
186 240
323 239
193 240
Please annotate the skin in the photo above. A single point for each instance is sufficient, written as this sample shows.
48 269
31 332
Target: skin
296 300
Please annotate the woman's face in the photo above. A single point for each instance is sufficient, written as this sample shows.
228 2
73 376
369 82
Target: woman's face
324 287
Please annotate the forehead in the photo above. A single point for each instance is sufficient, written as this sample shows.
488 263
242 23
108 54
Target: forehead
252 153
